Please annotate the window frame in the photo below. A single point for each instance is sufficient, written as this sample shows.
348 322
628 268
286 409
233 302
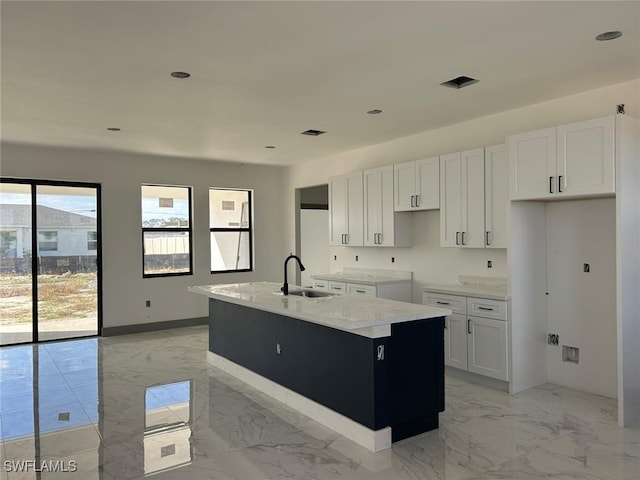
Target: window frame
239 229
92 241
57 241
188 229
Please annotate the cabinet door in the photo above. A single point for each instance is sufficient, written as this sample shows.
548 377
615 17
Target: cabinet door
496 181
450 199
337 210
404 185
532 164
585 156
455 341
372 206
487 347
355 209
472 199
427 188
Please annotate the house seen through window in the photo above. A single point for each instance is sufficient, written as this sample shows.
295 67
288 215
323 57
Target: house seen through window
231 230
166 230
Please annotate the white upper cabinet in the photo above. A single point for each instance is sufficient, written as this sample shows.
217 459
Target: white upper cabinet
586 157
346 209
462 192
382 226
496 185
416 185
566 161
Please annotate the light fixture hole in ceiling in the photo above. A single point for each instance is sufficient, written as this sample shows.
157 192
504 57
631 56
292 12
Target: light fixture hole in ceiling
313 133
459 82
603 37
180 75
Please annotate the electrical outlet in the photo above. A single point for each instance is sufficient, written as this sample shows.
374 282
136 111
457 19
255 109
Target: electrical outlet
393 259
335 257
356 258
148 303
489 264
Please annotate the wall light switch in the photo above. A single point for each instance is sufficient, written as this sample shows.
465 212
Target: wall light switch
147 303
586 268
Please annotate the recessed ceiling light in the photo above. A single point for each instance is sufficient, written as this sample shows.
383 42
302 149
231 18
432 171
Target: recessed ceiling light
180 74
113 129
270 146
460 82
313 133
609 36
375 111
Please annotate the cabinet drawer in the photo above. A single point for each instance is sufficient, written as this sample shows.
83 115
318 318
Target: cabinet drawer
481 307
337 287
321 285
357 289
456 303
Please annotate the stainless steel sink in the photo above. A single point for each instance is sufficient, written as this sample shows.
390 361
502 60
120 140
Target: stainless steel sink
311 293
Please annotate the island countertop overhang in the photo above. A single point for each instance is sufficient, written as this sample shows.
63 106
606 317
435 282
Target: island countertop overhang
345 312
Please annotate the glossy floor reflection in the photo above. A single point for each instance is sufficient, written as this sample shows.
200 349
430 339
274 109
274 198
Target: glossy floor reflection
148 404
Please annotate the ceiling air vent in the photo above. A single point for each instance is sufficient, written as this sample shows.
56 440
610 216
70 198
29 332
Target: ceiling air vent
460 82
313 133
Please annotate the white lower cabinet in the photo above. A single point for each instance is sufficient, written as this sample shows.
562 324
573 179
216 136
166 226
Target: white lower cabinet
400 291
472 342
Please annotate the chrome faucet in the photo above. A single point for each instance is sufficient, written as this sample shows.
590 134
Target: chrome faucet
285 287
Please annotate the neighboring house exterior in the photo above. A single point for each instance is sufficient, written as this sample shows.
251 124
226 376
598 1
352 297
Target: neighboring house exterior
60 233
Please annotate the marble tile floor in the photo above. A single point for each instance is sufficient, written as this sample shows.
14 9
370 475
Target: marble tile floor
142 405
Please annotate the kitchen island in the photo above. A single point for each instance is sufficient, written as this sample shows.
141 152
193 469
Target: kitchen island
369 368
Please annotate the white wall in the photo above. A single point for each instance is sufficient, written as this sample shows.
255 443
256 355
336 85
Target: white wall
120 174
314 243
425 258
581 307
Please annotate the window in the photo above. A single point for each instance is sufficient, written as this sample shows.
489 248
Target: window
47 241
92 240
8 244
231 230
166 230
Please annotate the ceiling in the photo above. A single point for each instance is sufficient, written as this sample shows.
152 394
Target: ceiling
263 72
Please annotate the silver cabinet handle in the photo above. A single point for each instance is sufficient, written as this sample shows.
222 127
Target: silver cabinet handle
346 239
550 184
413 201
559 183
485 308
463 238
336 288
361 291
488 238
417 200
468 325
457 241
442 303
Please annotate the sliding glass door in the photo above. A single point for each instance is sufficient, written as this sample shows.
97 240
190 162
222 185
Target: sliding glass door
49 260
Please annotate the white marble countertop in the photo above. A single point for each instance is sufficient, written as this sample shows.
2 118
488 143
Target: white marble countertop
345 312
469 286
366 276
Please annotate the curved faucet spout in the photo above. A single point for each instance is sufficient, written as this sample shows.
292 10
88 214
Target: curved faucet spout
285 287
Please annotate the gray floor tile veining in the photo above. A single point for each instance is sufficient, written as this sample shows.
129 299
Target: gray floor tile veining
149 404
